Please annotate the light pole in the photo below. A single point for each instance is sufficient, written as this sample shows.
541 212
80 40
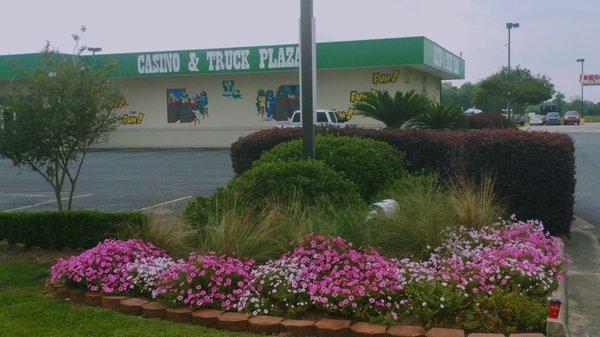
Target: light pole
94 50
509 27
308 75
581 80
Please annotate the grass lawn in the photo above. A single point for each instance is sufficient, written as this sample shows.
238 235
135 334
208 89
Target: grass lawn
592 118
27 309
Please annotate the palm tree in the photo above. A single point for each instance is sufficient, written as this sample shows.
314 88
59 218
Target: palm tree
392 111
440 117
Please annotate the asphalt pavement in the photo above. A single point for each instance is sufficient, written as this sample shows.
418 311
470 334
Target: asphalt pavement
120 180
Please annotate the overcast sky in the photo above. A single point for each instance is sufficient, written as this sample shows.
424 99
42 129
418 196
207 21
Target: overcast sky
553 33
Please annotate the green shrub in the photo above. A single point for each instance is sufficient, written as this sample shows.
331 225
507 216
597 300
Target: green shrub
525 165
436 302
312 180
370 164
506 312
57 230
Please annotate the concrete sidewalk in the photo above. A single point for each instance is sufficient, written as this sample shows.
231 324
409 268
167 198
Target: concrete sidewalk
583 280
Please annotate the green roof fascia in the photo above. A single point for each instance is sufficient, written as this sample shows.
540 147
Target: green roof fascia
330 55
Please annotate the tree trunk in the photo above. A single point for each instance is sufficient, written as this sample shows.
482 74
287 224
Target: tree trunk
59 202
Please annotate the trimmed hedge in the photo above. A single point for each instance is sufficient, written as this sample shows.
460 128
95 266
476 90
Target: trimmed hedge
57 230
488 120
534 171
370 164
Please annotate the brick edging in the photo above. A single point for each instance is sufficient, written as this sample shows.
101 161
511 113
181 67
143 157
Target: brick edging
238 321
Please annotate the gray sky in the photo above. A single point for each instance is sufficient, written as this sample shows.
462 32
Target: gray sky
553 33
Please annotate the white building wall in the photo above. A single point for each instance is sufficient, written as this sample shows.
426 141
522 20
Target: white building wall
229 118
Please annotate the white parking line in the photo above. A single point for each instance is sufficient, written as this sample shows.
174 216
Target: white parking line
47 202
165 203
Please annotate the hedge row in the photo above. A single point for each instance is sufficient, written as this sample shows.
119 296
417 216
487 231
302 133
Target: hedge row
57 230
534 171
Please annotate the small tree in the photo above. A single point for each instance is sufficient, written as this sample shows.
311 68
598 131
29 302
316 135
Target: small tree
50 121
392 111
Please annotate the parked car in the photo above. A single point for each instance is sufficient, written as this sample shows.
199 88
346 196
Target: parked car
553 118
572 117
323 118
536 120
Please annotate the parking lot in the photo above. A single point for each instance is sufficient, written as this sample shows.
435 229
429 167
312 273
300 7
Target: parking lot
117 180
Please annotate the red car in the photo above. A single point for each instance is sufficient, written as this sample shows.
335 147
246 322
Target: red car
572 117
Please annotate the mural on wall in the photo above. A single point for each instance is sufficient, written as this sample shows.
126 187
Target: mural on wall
230 91
279 105
185 109
379 78
132 118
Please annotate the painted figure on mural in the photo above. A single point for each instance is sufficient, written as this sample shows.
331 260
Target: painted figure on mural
261 103
287 100
201 105
187 106
270 104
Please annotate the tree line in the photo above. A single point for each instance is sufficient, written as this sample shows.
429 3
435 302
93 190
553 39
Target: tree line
529 92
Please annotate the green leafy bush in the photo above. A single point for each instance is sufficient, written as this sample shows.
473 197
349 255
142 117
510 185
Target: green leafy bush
57 230
506 312
436 302
525 165
370 164
312 180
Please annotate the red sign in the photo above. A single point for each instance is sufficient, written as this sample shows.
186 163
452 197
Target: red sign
589 79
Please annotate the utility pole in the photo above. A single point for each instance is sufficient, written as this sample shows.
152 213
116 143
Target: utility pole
308 75
581 80
509 27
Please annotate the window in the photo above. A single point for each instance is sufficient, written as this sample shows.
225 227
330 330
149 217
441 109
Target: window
321 117
296 118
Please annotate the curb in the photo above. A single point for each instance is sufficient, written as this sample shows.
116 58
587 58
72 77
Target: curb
237 321
559 326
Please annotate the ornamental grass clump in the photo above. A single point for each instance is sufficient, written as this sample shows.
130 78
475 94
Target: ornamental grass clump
104 267
205 281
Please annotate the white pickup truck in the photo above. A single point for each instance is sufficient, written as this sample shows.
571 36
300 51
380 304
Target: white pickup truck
323 118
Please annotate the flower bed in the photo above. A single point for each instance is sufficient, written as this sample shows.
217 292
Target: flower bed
473 271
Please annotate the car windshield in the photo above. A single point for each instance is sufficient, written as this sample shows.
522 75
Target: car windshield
553 114
571 113
296 118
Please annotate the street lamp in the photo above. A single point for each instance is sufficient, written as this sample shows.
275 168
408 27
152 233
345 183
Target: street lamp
509 27
94 50
581 80
308 74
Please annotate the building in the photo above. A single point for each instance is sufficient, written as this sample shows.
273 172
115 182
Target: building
209 98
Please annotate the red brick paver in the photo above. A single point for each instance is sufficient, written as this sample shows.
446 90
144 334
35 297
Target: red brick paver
62 293
234 321
406 331
364 329
112 302
93 299
441 332
154 310
206 317
298 327
264 324
332 328
180 314
132 306
77 295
